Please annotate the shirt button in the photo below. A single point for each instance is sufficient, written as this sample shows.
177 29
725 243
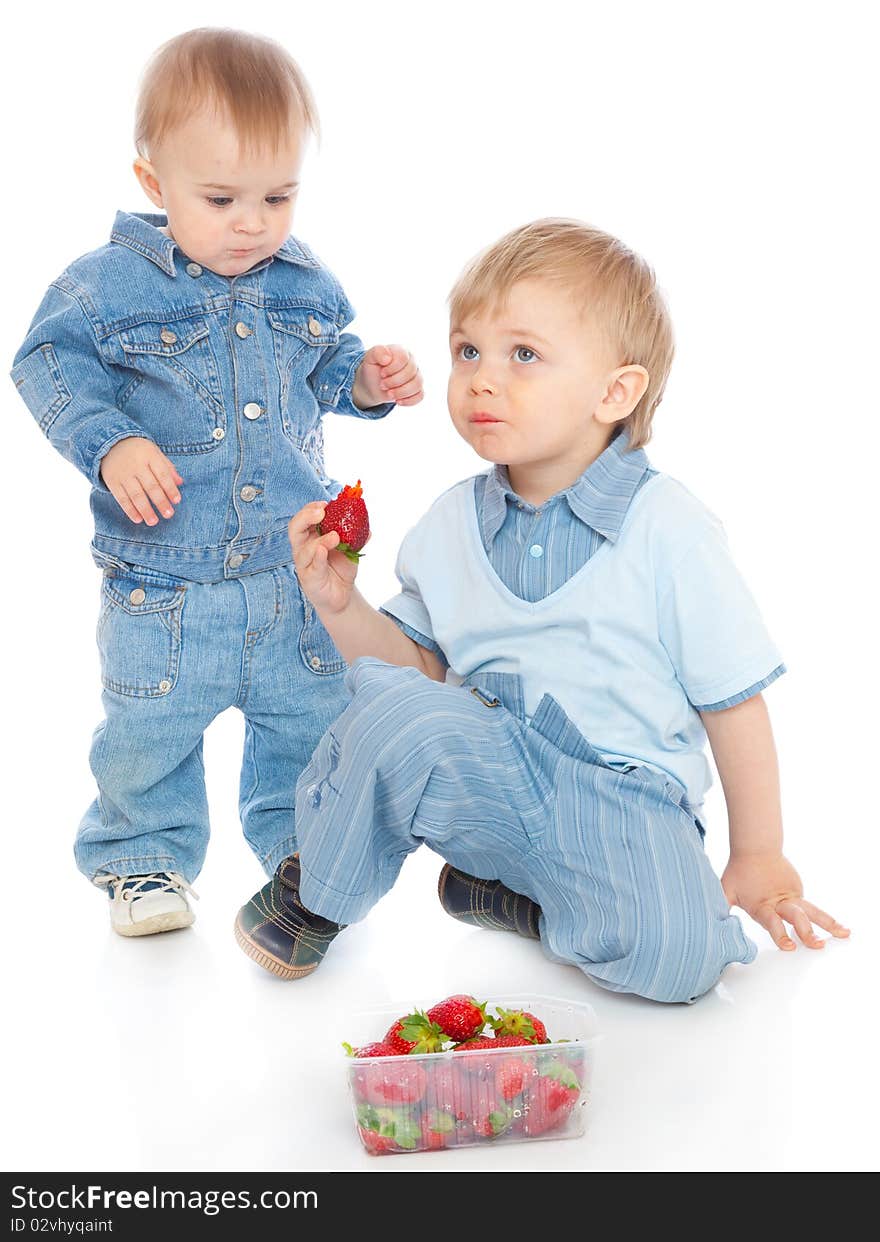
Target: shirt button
218 433
242 330
536 550
248 492
137 596
193 269
235 560
315 327
167 337
252 410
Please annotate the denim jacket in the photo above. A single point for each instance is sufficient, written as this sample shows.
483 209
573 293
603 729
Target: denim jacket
229 376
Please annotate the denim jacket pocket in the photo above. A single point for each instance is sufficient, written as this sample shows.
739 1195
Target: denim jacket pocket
174 392
139 634
316 648
299 336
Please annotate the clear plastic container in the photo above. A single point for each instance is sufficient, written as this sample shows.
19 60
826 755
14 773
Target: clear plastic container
438 1100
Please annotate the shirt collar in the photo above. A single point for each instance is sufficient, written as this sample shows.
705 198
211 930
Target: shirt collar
600 497
140 232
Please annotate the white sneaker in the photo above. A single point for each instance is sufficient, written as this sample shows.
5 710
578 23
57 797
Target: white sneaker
141 905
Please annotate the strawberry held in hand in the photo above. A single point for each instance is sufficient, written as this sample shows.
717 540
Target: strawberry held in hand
348 516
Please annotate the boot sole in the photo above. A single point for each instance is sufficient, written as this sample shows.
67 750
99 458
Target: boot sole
158 923
273 964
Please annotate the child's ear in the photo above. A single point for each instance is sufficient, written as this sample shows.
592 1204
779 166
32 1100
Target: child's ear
626 387
146 175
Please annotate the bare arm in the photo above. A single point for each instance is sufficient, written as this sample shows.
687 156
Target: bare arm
327 580
758 877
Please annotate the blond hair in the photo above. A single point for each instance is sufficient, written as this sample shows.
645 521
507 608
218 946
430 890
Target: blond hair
250 79
617 287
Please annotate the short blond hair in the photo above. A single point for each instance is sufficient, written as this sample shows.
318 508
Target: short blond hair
616 285
252 80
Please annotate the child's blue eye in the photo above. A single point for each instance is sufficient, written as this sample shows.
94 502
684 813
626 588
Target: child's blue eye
468 353
274 200
524 354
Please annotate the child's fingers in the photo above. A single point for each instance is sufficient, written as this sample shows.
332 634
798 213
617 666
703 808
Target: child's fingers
138 497
168 479
408 391
825 920
399 361
776 928
300 525
791 911
120 495
158 493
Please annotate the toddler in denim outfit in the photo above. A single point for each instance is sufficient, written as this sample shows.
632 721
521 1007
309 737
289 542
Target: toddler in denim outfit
534 704
184 368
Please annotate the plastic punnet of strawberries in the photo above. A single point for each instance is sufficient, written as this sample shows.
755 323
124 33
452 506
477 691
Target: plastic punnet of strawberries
504 1085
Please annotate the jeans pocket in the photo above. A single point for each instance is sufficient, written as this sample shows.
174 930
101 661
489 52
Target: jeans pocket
139 634
316 648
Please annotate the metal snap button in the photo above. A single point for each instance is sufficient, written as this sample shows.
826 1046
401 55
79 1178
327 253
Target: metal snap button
248 492
252 410
242 330
315 662
164 686
137 596
167 336
315 327
235 560
193 269
218 433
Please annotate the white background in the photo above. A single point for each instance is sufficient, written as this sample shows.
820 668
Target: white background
733 145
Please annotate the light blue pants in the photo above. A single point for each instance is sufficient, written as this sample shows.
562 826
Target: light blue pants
174 654
614 858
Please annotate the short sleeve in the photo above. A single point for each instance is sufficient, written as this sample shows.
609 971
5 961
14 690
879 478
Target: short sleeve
408 608
712 629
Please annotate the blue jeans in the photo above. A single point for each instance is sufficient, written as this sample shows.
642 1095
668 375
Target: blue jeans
174 654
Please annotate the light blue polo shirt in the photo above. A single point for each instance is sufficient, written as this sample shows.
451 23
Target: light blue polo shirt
618 596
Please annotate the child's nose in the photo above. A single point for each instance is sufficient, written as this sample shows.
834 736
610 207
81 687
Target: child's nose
483 380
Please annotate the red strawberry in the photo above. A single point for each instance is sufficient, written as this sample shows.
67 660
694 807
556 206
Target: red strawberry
488 1114
513 1041
347 515
511 1075
444 1091
395 1083
438 1128
378 1049
520 1022
551 1098
375 1143
387 1129
417 1033
459 1017
476 1045
395 1040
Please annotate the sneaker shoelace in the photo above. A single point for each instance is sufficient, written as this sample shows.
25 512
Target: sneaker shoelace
135 886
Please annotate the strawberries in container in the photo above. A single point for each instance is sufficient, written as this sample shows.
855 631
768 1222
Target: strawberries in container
466 1071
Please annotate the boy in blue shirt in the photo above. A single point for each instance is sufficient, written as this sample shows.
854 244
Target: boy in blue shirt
533 705
185 368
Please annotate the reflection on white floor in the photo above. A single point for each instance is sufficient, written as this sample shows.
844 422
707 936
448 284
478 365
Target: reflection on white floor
175 1052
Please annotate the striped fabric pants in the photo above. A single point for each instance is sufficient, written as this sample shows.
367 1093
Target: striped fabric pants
613 857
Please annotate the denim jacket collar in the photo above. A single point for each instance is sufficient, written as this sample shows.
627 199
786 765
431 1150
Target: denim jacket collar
600 497
140 232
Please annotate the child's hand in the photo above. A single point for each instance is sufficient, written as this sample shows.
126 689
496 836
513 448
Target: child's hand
769 889
325 575
387 373
137 472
